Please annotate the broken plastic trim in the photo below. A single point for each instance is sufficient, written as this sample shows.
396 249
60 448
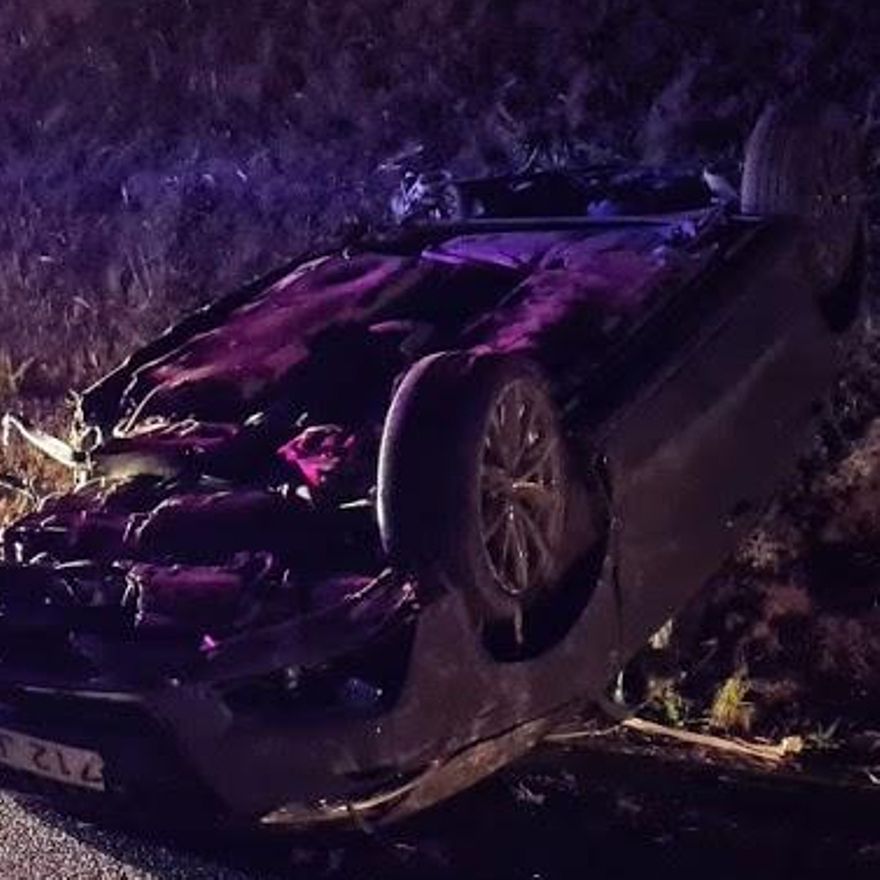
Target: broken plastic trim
437 781
52 447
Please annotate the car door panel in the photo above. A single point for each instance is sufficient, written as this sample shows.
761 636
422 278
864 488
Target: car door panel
697 455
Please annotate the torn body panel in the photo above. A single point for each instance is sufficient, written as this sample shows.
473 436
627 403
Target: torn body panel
245 402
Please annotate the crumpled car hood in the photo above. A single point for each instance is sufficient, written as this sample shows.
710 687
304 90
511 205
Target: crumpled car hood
335 313
236 482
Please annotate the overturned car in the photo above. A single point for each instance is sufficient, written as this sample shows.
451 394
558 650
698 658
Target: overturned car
352 537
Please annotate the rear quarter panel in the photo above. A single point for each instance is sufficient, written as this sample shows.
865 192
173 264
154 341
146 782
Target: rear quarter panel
700 449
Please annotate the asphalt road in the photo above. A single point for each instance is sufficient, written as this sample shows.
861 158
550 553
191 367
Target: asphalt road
37 842
551 819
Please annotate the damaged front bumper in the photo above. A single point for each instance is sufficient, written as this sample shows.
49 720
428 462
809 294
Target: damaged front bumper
237 727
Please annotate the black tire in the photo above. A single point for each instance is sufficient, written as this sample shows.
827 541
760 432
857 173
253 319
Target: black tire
434 506
805 160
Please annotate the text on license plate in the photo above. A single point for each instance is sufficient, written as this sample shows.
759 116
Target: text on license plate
52 760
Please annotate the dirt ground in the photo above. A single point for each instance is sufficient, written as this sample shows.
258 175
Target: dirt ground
607 813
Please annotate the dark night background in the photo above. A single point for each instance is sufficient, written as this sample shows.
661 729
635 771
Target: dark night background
155 154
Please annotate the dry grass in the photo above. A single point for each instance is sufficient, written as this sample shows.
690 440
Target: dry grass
730 710
153 155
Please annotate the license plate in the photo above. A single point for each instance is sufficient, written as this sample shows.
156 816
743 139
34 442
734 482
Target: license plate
52 760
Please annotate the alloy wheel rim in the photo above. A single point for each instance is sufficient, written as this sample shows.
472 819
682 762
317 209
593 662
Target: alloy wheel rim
521 489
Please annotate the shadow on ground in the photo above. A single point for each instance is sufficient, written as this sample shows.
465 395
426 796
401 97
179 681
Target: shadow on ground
555 816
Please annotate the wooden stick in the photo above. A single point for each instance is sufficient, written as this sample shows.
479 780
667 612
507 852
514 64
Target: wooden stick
773 753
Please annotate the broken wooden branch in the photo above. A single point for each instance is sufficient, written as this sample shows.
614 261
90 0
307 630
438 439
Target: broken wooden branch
769 752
